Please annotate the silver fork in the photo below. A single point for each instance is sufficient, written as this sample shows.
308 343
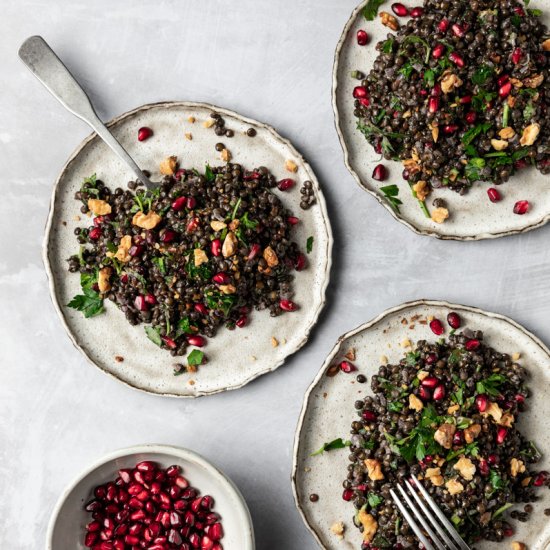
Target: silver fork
433 529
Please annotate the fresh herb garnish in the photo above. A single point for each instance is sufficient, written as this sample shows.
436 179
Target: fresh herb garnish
491 385
505 115
90 303
203 271
482 74
160 262
529 111
235 209
501 510
391 192
496 481
412 358
371 9
420 441
208 174
417 40
248 223
387 46
184 327
429 77
195 358
471 134
309 244
331 445
374 500
395 406
473 169
154 335
219 301
380 116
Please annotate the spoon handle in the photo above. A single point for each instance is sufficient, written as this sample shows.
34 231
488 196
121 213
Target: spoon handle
48 68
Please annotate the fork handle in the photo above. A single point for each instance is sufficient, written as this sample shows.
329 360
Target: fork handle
52 73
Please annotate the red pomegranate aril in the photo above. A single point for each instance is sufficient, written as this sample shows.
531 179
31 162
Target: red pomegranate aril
150 299
173 471
150 507
181 482
368 415
287 305
201 308
458 30
519 398
136 250
493 459
138 515
430 382
215 531
431 358
179 204
192 225
438 51
131 539
100 492
362 37
300 262
444 25
472 345
521 207
146 466
90 539
125 475
171 344
134 502
124 278
180 173
454 320
450 129
379 173
174 492
118 545
216 247
144 133
206 543
365 101
286 184
505 89
93 526
465 100
424 393
140 303
540 479
437 327
436 90
482 402
241 321
197 341
471 117
196 504
494 194
417 12
94 233
347 495
456 59
346 366
168 236
501 435
458 437
293 220
517 54
399 9
221 278
433 104
483 467
191 202
359 92
135 529
439 392
255 249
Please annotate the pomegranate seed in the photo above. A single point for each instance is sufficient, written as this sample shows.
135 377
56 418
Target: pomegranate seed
347 495
431 358
359 92
191 202
483 467
292 220
482 402
424 393
433 104
378 147
540 479
286 184
436 90
241 321
180 173
450 129
140 303
493 459
521 207
201 308
444 25
94 233
168 236
364 101
456 59
458 437
216 247
507 531
362 37
255 249
472 345
439 392
519 399
438 51
136 250
181 482
125 475
505 89
124 278
494 194
471 117
399 9
406 175
501 435
221 278
379 173
90 539
417 12
369 416
150 299
144 133
179 204
196 340
251 176
287 305
423 92
458 30
215 531
192 225
503 79
437 327
430 382
518 10
170 344
300 262
346 366
521 164
466 100
454 320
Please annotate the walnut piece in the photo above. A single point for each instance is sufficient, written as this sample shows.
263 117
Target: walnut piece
388 20
103 279
493 410
518 545
291 166
415 403
370 525
507 420
421 189
450 82
534 81
421 374
466 468
270 257
338 529
217 226
146 221
199 257
225 155
507 133
454 486
209 122
530 134
99 207
444 435
546 45
439 215
499 144
434 475
471 432
374 469
516 467
229 246
168 166
453 408
122 253
412 166
435 132
227 289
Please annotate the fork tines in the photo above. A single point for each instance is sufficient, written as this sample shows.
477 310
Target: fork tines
427 521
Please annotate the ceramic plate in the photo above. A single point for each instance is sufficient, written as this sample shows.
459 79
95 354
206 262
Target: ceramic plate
473 217
328 412
68 521
235 357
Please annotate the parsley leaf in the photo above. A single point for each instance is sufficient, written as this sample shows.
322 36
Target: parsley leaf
387 46
371 9
482 74
331 445
374 500
309 244
161 264
412 358
203 271
471 134
429 78
90 303
184 326
154 335
496 481
529 111
219 301
248 223
391 192
208 174
491 385
473 169
195 358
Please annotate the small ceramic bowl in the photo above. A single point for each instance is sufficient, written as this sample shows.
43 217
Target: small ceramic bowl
67 524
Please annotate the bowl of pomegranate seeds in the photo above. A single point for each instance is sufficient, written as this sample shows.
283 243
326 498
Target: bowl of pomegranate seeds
450 393
153 496
441 112
207 281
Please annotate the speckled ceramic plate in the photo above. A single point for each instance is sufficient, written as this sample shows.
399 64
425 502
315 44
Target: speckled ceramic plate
473 217
67 524
328 411
235 357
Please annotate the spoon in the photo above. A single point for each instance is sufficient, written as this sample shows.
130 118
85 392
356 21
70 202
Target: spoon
49 69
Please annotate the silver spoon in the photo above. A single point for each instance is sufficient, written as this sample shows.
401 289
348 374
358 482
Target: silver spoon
48 68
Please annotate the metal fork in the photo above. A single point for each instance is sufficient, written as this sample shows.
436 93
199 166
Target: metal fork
426 523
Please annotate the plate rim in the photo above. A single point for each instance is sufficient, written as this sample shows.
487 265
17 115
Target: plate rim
321 203
364 326
173 450
363 185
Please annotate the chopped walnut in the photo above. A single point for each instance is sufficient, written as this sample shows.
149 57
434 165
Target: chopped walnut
421 189
338 529
199 257
191 119
507 420
412 166
168 166
415 403
370 525
499 144
516 355
439 215
507 133
270 257
493 410
188 136
512 100
388 20
225 155
421 374
146 221
209 122
291 166
99 207
530 134
227 289
217 226
374 469
518 545
466 468
516 83
274 342
525 481
444 435
453 408
450 82
229 246
472 432
435 131
454 487
546 45
434 475
516 467
122 253
234 224
534 81
103 279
